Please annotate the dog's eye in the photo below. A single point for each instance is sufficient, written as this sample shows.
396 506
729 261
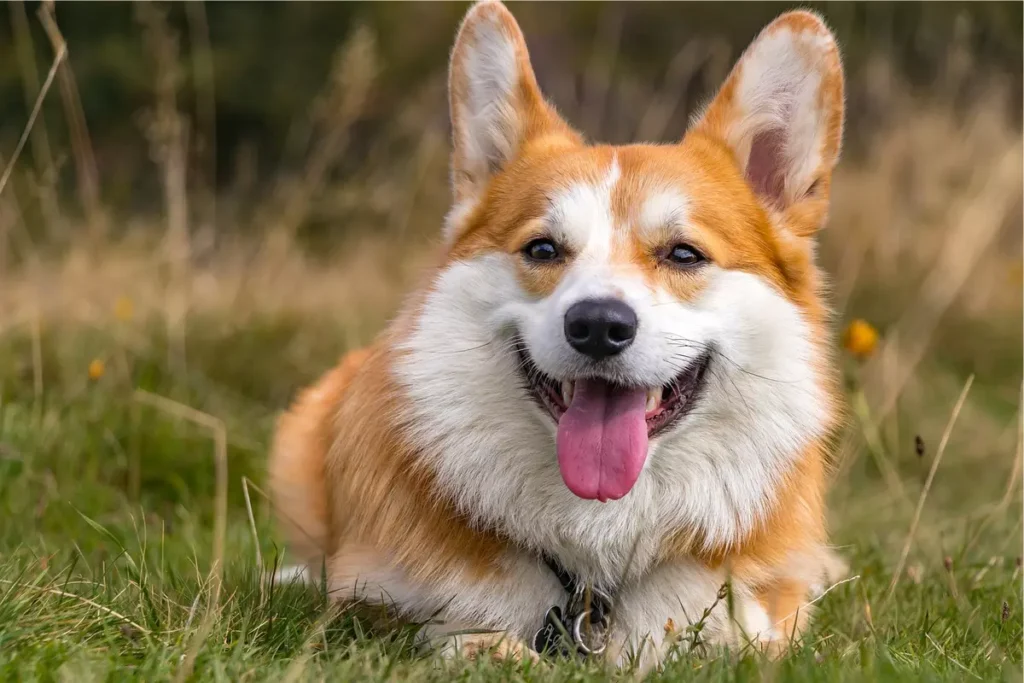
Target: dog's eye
685 255
541 250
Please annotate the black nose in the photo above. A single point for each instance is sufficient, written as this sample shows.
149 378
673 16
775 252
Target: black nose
600 327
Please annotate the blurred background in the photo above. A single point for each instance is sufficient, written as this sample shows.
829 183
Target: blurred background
211 202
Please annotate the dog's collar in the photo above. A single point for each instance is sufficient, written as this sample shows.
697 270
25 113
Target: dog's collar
583 627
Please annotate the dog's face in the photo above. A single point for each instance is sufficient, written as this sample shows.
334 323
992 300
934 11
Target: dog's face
635 319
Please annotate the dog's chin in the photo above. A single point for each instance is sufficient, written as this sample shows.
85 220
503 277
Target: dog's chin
666 404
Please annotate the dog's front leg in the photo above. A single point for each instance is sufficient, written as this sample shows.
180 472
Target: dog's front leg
464 612
452 643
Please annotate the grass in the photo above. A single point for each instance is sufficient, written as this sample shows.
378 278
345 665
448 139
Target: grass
140 380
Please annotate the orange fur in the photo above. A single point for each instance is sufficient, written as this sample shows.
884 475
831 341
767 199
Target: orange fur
358 485
296 468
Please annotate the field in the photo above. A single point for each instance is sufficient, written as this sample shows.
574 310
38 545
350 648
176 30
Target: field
144 359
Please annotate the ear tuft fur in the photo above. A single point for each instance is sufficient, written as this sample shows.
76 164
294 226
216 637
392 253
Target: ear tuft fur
781 113
495 103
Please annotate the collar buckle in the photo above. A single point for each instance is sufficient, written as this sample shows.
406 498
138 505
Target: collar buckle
584 625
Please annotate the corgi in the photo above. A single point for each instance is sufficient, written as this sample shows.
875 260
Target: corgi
617 382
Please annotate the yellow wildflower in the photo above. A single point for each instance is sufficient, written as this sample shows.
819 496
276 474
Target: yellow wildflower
860 338
124 309
96 369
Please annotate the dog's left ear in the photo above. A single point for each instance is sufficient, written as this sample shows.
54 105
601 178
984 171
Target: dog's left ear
496 105
780 112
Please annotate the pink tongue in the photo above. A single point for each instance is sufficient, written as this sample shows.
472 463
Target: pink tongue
602 440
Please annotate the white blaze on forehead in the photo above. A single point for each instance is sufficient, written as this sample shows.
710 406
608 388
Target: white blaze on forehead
581 216
665 209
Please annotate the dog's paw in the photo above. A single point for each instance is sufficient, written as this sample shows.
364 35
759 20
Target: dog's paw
834 568
297 573
496 646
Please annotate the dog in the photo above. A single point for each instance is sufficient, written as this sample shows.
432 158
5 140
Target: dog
617 384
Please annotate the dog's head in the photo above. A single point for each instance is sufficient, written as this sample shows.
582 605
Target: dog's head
638 319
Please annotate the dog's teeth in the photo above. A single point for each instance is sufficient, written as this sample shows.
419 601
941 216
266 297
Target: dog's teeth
653 399
567 389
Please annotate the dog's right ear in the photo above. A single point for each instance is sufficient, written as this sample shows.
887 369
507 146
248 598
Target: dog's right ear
496 105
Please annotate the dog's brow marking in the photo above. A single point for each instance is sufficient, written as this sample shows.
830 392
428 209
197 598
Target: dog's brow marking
667 209
582 215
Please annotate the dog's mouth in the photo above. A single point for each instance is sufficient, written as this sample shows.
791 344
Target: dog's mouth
663 406
604 428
